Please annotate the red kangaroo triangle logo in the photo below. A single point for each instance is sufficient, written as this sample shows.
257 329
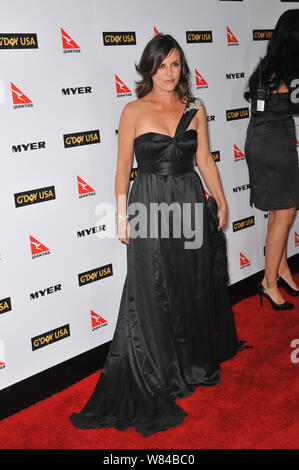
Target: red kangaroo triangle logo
207 195
296 238
36 246
200 81
156 31
83 187
231 38
243 260
238 153
96 320
120 86
18 96
67 41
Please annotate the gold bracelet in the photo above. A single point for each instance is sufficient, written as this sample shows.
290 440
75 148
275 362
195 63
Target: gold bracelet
121 217
221 209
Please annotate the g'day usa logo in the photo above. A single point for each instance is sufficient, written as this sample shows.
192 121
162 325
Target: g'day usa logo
50 337
18 41
127 38
199 36
33 196
5 305
95 274
78 139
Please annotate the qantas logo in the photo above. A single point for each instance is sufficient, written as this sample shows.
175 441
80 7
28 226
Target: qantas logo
244 262
84 189
19 99
97 321
200 81
156 31
296 239
2 359
238 154
37 248
68 44
297 142
231 38
121 88
207 195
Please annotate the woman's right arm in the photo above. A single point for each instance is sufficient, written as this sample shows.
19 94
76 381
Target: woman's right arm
126 135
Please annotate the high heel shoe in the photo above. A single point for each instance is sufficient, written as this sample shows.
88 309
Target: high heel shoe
282 283
262 292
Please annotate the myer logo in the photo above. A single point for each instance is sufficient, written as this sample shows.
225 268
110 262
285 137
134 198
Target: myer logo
2 358
235 75
5 305
80 90
81 138
119 38
243 187
33 196
95 274
30 146
237 113
90 231
43 292
199 36
18 41
50 337
97 321
261 34
243 223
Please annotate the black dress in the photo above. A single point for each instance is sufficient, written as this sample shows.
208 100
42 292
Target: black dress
175 325
271 154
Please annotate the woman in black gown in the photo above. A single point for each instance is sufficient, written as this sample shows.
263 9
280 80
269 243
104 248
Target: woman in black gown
175 323
271 152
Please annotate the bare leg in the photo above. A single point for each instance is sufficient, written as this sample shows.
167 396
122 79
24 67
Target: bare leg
279 223
284 270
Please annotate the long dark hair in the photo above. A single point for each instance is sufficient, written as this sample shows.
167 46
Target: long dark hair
281 61
153 55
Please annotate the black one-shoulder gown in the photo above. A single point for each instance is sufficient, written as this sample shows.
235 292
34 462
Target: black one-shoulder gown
174 325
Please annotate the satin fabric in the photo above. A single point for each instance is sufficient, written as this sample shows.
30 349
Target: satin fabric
271 154
171 335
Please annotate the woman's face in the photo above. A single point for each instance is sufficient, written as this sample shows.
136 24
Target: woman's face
168 74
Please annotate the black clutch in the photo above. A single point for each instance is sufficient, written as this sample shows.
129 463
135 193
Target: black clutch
218 242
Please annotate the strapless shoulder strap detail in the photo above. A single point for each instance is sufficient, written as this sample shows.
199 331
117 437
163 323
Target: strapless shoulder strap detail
190 111
197 104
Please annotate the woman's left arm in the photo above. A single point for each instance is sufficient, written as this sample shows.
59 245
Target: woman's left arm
207 166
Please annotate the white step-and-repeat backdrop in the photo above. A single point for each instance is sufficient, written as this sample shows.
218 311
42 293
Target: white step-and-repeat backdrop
67 70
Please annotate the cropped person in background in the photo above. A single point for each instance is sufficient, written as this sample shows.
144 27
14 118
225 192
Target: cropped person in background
271 153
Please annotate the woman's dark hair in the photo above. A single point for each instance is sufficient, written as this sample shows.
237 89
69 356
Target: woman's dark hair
281 62
153 55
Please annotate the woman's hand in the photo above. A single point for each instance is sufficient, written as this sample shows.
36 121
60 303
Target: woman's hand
222 217
123 230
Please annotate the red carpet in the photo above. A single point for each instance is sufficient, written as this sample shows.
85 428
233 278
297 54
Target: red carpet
254 407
